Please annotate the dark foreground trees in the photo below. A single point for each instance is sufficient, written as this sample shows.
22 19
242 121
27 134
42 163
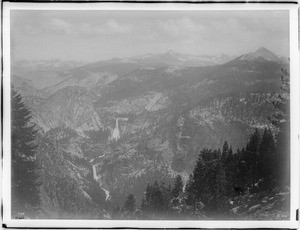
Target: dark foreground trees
178 187
25 198
129 206
218 179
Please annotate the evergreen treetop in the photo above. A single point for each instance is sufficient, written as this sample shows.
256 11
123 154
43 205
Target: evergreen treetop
24 167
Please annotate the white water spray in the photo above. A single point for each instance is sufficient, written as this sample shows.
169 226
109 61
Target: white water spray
116 132
96 178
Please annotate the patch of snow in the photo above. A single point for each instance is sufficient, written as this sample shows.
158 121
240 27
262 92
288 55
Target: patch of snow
153 101
127 60
254 207
86 195
244 57
235 209
145 56
137 173
173 69
283 193
147 68
182 59
107 216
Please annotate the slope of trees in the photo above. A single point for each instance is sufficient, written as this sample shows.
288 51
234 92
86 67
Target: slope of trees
218 179
25 197
178 187
215 179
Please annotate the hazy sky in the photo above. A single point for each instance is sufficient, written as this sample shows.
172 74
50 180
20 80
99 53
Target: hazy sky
97 35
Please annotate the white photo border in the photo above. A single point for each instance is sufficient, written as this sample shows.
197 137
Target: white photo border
294 117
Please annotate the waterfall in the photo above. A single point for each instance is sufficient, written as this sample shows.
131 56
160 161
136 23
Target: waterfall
95 172
96 178
116 132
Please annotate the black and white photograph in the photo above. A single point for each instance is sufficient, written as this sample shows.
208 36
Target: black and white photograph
159 113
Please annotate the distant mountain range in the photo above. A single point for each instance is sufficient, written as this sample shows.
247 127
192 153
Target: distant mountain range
42 73
56 74
111 127
174 58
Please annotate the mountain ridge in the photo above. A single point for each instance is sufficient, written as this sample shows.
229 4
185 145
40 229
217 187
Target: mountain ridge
262 53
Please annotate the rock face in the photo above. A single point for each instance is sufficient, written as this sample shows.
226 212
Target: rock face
26 88
109 128
68 190
71 107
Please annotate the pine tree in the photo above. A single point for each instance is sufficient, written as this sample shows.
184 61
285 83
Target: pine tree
230 168
218 154
154 203
266 160
203 186
253 156
198 179
221 185
157 199
225 151
146 206
189 191
116 213
254 142
166 192
24 167
230 154
241 174
143 206
178 186
129 206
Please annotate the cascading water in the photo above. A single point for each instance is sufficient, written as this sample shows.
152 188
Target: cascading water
98 179
116 132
